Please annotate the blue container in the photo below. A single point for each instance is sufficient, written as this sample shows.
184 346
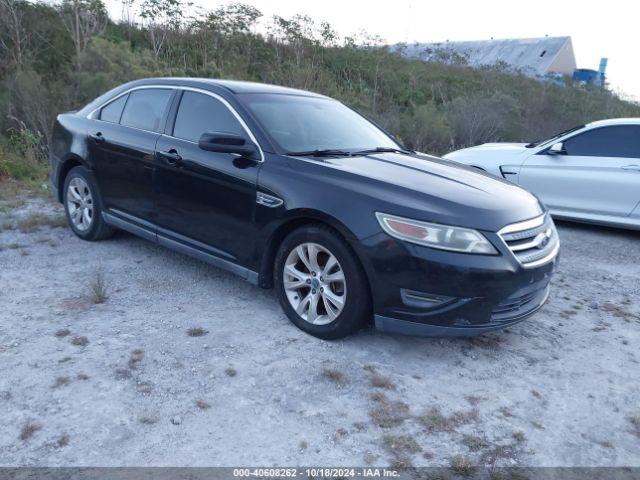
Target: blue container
585 75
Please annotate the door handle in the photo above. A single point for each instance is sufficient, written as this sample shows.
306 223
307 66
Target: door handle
632 167
170 157
97 137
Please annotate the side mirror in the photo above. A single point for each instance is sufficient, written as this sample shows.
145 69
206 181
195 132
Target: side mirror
557 149
228 143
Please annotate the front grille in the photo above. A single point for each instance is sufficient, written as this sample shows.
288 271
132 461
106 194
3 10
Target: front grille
534 242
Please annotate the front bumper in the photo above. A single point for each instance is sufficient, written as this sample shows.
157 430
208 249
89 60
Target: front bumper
406 327
426 292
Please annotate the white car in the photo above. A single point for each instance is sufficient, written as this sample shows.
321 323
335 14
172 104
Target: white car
590 173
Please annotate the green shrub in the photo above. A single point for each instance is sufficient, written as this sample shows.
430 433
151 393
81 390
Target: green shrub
23 157
433 107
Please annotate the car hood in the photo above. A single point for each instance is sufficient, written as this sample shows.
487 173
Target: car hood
491 149
432 189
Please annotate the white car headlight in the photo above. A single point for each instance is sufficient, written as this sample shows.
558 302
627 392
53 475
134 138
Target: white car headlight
444 237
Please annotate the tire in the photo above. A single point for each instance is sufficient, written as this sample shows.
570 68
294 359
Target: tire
328 320
80 194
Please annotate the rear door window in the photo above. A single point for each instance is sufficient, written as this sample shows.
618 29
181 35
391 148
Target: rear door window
113 111
199 113
145 109
619 141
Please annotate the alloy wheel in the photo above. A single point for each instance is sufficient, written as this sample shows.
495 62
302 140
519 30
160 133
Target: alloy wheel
80 204
314 283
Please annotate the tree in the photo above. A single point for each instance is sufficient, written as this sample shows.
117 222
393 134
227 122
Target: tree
233 19
83 19
161 16
11 16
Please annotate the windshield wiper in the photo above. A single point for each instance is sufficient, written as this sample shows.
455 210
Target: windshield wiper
320 153
383 150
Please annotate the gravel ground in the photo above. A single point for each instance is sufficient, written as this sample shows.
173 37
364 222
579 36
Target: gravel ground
186 365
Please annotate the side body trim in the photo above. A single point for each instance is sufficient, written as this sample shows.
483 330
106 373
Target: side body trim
128 226
149 232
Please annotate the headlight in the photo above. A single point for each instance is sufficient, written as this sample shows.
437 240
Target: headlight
444 237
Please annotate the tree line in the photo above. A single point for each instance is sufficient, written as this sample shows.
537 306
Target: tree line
56 57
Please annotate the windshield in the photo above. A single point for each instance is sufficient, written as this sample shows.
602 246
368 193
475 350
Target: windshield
304 124
557 135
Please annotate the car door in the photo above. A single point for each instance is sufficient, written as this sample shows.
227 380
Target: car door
596 172
122 139
205 199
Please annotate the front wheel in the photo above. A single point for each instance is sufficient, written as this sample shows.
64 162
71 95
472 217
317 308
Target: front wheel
321 284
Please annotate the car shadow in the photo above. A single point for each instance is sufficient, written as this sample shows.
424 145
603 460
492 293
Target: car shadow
367 339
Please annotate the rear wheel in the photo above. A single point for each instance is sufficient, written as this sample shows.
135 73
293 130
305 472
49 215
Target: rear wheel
83 206
321 285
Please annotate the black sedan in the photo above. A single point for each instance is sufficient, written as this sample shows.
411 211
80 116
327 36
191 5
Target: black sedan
295 190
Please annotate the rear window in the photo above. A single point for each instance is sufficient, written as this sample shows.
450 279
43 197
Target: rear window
145 109
113 111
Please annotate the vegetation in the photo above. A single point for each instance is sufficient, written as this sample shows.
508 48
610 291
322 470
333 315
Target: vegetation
56 57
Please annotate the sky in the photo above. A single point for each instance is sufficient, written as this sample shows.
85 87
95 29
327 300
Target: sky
598 29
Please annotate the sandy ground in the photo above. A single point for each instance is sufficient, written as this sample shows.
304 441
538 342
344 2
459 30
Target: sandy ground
123 383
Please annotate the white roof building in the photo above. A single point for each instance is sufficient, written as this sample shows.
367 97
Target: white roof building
532 56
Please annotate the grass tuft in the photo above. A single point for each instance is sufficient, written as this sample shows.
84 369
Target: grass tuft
122 373
505 412
473 400
29 429
135 358
380 381
387 413
334 375
63 332
197 332
474 442
63 441
146 420
435 421
537 425
36 220
231 372
462 466
401 447
61 382
620 311
98 288
80 341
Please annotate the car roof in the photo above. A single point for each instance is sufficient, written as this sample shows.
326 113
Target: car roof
614 121
233 86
